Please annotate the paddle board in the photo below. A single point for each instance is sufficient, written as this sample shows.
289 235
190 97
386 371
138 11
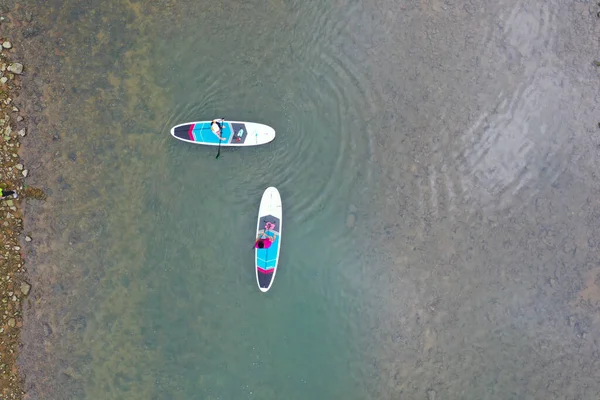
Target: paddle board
269 223
236 133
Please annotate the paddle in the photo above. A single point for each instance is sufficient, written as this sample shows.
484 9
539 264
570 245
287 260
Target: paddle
220 127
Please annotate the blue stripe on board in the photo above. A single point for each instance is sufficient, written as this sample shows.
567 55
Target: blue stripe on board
203 133
266 258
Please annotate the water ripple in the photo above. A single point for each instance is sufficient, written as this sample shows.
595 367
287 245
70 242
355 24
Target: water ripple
519 144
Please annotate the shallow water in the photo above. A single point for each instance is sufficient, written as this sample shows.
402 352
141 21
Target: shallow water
436 164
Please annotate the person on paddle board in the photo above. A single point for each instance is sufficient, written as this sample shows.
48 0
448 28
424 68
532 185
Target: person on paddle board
264 240
215 126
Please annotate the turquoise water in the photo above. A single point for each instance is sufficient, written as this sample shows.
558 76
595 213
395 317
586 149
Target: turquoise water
157 286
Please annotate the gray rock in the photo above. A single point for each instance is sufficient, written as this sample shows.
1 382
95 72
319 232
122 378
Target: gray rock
19 118
7 45
16 68
352 208
28 238
25 288
22 132
3 79
25 172
19 167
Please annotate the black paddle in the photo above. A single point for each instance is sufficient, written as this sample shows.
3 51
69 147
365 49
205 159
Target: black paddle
221 129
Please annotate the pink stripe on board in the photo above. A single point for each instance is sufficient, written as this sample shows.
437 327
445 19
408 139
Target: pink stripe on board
265 271
191 132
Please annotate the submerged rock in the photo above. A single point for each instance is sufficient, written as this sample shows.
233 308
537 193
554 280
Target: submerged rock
47 329
7 44
25 288
350 220
16 68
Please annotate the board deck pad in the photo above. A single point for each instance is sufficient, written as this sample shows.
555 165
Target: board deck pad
266 259
240 132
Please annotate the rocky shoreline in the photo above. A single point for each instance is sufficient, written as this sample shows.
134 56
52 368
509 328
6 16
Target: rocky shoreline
13 284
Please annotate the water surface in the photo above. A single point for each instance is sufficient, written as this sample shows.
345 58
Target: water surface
437 166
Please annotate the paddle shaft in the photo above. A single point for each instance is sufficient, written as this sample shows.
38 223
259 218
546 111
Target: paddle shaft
221 133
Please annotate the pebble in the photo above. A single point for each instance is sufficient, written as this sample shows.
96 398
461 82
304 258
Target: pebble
25 288
22 132
19 167
25 172
12 322
19 118
3 79
7 44
16 68
28 238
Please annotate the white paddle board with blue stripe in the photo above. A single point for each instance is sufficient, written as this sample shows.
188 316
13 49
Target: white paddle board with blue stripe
236 133
269 224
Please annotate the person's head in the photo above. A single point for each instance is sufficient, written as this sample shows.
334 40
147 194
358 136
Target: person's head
261 244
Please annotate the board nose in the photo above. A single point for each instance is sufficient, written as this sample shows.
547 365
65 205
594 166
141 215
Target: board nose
182 132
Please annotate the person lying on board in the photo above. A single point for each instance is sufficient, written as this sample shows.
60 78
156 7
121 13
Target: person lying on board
264 240
215 126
